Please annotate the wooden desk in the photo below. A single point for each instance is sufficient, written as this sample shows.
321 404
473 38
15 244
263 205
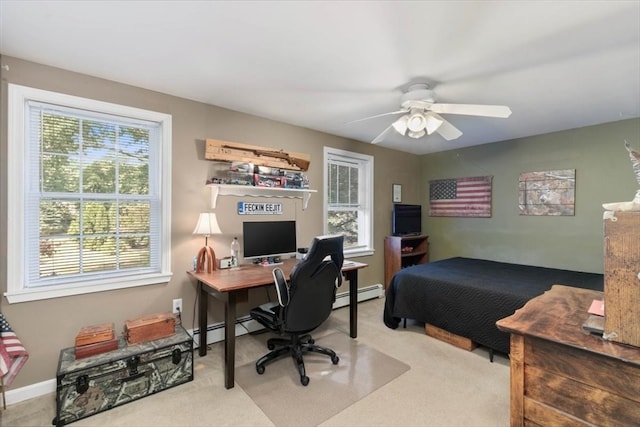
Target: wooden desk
561 375
231 285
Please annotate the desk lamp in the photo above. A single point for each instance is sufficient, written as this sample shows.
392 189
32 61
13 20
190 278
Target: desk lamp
207 224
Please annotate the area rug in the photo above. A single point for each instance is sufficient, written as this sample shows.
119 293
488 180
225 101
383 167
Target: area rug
332 388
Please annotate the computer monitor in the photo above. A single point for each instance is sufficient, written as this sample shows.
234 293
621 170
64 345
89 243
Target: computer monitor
266 239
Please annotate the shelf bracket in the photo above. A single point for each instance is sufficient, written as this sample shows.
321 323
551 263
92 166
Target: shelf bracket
305 200
215 190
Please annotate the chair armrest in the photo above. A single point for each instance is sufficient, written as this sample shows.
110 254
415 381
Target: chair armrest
282 287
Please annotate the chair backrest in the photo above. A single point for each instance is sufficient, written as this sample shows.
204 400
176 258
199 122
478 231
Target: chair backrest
312 285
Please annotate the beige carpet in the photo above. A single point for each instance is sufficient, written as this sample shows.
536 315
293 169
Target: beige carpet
332 388
445 387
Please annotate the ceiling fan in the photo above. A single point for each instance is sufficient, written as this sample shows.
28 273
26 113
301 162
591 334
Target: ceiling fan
421 114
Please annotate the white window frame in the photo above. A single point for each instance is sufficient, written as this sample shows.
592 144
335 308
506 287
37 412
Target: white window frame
18 138
364 163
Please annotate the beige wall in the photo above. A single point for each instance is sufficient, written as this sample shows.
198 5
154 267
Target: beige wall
603 174
47 326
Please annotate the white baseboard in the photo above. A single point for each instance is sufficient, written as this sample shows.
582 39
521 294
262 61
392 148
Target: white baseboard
30 391
364 294
215 333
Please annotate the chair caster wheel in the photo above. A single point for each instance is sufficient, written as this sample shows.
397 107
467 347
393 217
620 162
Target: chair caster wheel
311 341
335 360
260 369
304 380
271 346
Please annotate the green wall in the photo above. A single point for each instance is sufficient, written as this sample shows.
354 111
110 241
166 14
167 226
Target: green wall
603 174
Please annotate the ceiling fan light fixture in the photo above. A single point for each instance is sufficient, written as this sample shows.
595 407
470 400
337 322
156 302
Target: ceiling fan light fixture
417 122
416 135
421 114
400 125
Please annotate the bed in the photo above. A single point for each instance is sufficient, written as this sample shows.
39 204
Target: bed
466 296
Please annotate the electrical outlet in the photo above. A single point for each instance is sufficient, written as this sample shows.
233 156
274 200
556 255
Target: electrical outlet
177 306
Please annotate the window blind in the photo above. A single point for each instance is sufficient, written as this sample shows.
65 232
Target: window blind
92 204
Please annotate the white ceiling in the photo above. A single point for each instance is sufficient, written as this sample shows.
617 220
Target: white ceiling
319 64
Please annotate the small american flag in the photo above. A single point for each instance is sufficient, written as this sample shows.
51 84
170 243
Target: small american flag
13 355
464 197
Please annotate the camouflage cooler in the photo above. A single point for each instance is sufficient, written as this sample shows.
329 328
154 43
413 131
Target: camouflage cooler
95 384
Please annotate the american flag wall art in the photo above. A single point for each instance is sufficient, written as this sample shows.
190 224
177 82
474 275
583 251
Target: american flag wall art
461 197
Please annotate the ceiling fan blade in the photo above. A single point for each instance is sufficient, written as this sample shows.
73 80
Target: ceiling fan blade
447 130
378 115
380 137
472 110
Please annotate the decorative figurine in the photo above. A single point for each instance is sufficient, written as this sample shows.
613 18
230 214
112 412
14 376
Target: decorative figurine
633 205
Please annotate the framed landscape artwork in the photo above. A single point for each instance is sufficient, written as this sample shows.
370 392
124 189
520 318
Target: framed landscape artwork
547 193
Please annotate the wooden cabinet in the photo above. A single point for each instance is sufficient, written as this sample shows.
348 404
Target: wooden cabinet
403 251
561 375
622 277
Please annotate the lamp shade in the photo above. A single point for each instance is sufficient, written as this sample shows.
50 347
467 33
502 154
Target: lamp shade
207 224
433 123
400 125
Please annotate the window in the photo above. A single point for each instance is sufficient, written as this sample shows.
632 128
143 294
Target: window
348 187
88 195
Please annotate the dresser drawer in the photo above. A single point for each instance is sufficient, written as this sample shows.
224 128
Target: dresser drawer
570 384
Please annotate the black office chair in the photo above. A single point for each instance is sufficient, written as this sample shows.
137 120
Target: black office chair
303 304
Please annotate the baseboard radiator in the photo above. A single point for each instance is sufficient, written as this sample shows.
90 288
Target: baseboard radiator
245 325
215 333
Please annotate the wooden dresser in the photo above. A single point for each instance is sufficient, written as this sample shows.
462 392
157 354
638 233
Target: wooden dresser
561 375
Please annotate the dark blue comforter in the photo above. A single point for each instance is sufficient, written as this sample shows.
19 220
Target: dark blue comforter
467 296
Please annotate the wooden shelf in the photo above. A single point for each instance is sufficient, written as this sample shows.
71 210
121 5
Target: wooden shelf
395 259
253 191
414 253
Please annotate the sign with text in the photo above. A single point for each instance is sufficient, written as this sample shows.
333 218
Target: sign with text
250 208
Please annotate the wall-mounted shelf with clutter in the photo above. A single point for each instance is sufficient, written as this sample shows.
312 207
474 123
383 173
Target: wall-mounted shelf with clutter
258 172
249 190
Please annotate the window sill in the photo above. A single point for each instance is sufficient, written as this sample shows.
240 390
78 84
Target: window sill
27 295
354 253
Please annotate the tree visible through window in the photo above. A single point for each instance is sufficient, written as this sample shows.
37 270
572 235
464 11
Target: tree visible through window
348 190
94 195
92 192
